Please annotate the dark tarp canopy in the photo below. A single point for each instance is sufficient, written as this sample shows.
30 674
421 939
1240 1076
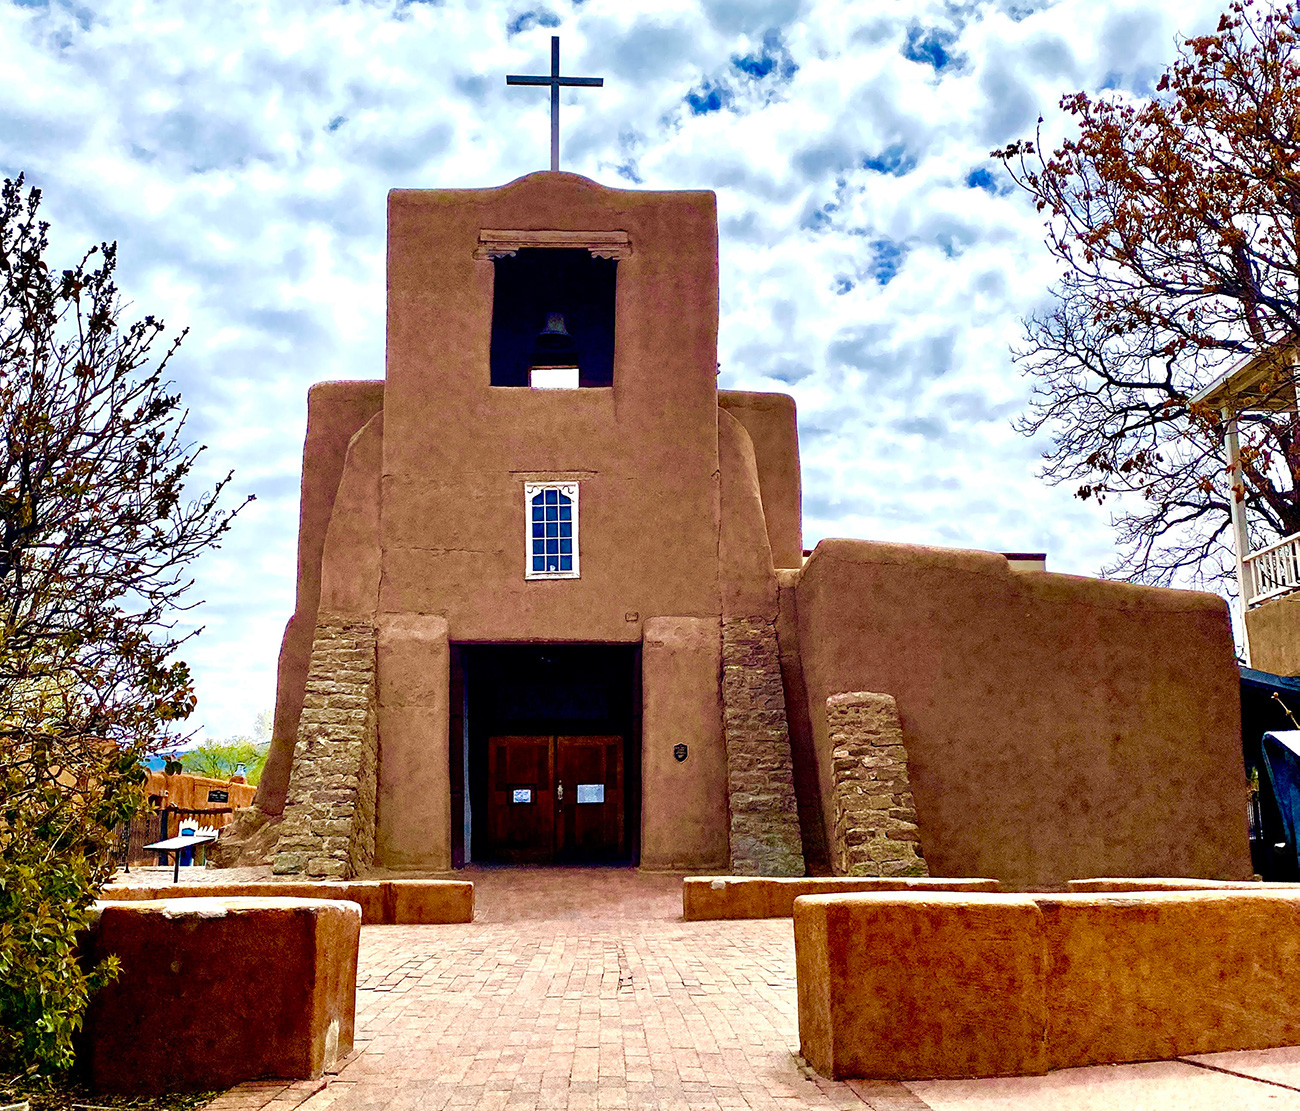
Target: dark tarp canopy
1281 751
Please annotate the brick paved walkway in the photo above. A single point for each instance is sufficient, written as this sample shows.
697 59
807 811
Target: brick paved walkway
574 989
584 990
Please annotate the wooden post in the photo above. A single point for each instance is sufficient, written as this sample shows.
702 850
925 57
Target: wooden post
1240 537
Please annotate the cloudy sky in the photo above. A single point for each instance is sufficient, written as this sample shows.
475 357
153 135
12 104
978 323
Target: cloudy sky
875 262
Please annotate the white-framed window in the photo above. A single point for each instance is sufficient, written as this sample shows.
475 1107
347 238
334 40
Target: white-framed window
551 530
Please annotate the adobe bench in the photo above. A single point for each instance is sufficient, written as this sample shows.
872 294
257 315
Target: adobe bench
730 897
382 902
917 985
215 991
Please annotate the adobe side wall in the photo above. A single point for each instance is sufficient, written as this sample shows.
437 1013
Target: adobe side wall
807 784
770 420
1274 630
335 412
1056 727
349 575
764 816
684 801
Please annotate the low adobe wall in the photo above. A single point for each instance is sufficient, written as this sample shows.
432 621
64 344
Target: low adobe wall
216 991
942 985
382 902
190 792
1055 726
1274 630
1174 883
714 897
1163 974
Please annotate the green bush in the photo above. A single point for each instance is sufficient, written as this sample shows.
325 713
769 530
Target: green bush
56 852
44 904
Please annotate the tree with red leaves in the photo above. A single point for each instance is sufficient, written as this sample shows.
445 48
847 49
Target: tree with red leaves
1176 221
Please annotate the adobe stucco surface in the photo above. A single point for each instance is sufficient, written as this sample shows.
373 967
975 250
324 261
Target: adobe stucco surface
1056 727
335 411
911 986
1138 977
680 663
218 990
457 449
1274 630
770 421
929 984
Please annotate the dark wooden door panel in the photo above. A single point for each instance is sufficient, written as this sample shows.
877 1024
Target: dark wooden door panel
589 775
521 799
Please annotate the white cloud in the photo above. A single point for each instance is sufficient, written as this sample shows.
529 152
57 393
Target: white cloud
240 152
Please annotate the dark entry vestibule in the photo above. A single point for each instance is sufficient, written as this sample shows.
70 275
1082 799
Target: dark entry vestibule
545 753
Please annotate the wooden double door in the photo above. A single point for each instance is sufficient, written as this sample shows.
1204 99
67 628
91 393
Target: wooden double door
555 798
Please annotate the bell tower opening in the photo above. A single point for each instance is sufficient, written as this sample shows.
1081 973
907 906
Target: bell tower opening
553 318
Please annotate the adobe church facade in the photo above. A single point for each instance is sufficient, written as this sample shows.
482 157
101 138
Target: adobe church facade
577 624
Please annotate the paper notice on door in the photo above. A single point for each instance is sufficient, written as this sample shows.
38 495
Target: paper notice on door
591 792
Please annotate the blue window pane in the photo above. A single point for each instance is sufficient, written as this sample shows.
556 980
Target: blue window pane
552 526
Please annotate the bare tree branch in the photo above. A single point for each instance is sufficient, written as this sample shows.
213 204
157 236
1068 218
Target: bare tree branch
1176 222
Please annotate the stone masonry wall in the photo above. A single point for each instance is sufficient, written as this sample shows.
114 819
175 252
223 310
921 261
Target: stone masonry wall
765 837
875 818
329 816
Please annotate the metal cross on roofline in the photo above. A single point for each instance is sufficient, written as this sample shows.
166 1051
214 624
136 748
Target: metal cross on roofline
555 81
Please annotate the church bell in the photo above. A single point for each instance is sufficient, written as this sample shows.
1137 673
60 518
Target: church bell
554 345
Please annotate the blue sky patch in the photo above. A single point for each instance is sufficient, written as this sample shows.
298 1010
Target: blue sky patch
708 98
774 58
895 160
930 46
980 178
887 261
526 21
819 219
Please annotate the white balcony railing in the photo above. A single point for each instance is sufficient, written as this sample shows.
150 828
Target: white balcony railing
1273 571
